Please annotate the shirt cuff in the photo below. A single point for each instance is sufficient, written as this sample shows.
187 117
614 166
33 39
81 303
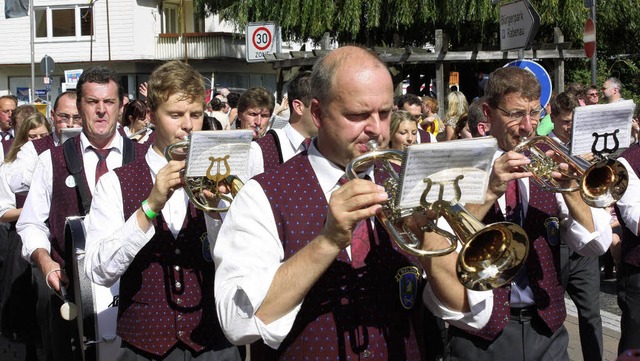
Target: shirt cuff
33 242
480 303
136 237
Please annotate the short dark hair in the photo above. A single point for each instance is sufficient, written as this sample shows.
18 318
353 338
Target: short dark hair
410 99
300 88
564 102
256 97
508 80
232 99
475 115
69 93
100 75
216 104
136 109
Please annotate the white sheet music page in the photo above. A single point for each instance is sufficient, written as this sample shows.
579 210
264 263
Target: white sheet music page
279 122
609 122
442 162
219 152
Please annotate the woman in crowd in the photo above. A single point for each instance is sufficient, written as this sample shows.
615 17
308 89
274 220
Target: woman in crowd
19 305
404 130
430 121
135 120
456 106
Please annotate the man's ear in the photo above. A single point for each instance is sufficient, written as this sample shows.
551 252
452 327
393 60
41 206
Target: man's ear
298 106
316 113
484 128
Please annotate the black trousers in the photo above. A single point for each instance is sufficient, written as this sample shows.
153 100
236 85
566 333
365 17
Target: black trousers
581 280
629 303
526 340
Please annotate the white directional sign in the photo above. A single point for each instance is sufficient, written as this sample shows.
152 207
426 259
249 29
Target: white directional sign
261 39
519 23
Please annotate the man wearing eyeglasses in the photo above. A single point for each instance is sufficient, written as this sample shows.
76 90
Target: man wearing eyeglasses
612 90
8 104
592 96
524 319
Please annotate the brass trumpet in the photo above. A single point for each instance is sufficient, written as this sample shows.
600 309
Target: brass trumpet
213 182
490 256
601 184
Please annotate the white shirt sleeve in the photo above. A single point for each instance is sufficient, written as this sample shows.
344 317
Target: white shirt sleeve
247 254
577 237
111 249
20 172
256 161
31 225
7 198
629 204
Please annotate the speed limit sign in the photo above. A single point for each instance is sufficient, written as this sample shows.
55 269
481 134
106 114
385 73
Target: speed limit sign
261 39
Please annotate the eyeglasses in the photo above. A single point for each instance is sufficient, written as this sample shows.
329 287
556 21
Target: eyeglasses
592 94
64 118
518 115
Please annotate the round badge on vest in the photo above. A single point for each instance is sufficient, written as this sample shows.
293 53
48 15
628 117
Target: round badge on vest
552 225
70 181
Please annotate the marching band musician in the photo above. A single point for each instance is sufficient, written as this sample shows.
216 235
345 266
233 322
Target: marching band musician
156 242
56 193
287 270
523 320
255 108
280 145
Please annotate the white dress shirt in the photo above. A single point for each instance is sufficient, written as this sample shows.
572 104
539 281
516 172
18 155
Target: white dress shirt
248 252
31 225
574 235
20 172
291 143
629 204
110 250
7 197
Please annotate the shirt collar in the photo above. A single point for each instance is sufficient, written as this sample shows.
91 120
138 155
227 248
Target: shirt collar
294 137
155 160
116 143
327 172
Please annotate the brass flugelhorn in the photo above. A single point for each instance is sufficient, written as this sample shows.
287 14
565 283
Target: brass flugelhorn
600 184
212 182
490 256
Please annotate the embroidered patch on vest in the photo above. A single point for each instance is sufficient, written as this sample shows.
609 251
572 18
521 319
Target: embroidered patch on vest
407 278
552 225
206 247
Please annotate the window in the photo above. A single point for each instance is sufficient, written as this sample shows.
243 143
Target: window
63 22
170 18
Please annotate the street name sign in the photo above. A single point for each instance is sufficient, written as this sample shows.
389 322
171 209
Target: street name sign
519 23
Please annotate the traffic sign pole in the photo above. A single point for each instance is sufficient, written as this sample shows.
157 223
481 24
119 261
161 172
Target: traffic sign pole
594 58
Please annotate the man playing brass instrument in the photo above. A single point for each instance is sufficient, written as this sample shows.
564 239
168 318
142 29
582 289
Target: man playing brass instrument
156 242
523 320
300 266
255 108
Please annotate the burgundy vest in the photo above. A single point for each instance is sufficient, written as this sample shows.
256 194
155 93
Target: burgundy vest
425 137
6 145
543 264
166 294
65 201
271 151
349 312
630 242
43 144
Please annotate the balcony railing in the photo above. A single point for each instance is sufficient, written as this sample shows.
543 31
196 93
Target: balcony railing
200 46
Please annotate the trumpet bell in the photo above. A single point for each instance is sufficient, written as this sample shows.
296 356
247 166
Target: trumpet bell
492 257
604 183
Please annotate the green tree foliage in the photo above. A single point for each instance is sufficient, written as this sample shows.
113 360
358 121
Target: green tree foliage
467 22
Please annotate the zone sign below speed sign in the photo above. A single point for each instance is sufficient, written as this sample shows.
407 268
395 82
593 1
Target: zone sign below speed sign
261 39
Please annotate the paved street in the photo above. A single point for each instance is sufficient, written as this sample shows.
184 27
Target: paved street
11 351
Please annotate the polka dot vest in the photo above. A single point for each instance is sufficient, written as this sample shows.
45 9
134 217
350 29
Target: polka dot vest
350 313
270 146
166 294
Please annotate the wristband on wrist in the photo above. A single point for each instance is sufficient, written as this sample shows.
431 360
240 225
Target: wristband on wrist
148 211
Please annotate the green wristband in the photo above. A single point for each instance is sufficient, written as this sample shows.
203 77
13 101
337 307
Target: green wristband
148 211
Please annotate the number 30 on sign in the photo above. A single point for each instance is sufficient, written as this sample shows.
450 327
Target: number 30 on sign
260 40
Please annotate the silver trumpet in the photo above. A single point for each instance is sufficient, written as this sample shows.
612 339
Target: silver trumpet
490 255
142 131
214 180
600 184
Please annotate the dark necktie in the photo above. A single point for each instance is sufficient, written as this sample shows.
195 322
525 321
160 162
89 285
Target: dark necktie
512 201
306 143
361 237
6 135
101 167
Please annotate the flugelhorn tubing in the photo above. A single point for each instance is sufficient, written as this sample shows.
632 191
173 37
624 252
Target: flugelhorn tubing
391 217
194 186
142 131
491 255
600 184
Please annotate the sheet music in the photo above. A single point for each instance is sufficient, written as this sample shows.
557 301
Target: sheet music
219 144
443 162
68 133
279 122
601 119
